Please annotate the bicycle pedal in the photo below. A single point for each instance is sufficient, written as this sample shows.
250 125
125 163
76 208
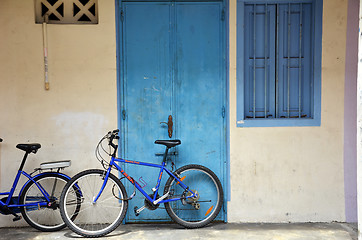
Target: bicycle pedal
16 218
135 211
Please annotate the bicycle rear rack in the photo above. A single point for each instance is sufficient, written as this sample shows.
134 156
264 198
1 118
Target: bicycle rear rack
53 165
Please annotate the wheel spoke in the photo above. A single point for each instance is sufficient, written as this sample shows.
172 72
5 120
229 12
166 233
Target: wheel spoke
94 219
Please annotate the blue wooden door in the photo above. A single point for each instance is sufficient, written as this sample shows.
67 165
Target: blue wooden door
172 63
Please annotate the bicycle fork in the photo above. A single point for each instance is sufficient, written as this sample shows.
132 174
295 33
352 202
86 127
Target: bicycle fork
105 180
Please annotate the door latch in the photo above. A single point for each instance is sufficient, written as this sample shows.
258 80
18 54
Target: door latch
170 126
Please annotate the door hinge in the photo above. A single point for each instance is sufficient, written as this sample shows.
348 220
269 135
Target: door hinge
223 112
124 114
122 15
223 14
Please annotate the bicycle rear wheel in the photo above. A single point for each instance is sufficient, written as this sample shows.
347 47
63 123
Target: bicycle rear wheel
198 211
99 218
44 218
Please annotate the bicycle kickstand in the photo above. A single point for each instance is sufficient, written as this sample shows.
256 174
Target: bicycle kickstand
16 216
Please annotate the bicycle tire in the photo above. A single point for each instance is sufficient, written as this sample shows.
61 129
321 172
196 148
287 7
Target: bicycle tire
91 221
46 219
186 212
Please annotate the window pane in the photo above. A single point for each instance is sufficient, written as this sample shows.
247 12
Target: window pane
259 59
294 61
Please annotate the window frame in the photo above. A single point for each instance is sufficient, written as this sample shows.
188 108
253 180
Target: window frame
317 8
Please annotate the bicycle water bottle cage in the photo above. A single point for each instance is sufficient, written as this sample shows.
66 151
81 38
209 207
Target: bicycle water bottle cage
168 143
29 147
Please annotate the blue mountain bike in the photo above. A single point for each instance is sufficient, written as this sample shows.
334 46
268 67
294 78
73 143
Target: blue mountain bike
38 200
192 195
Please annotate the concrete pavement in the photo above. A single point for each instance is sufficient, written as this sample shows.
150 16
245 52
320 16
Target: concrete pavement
300 231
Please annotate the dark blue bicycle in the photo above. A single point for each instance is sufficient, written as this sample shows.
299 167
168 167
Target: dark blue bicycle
38 200
192 195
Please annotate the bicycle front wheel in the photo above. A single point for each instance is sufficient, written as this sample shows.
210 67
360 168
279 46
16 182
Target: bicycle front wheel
41 214
194 211
94 219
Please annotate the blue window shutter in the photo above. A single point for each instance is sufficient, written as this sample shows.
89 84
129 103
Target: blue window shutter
280 86
259 60
295 80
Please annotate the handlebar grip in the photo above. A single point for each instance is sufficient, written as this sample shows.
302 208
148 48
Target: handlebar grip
111 140
114 146
1 139
116 131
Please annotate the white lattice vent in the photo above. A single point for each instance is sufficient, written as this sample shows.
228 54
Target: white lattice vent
66 11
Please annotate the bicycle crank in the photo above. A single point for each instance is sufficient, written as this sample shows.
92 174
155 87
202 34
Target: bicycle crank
148 205
138 210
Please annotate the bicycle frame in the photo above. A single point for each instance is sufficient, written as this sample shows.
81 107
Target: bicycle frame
15 183
162 168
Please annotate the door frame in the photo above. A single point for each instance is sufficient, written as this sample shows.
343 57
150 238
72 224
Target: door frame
120 89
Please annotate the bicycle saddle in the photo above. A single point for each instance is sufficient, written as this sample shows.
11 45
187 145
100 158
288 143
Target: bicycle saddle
168 143
29 147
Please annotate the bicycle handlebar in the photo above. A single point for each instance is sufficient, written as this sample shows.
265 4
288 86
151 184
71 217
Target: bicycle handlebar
111 136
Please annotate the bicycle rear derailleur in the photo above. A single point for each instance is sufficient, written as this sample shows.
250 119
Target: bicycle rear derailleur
187 199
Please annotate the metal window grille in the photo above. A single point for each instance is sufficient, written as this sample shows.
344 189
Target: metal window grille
66 11
278 60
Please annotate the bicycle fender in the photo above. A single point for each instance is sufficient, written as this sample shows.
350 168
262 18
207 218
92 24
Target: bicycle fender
31 179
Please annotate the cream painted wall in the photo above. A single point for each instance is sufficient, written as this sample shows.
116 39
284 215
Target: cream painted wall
293 173
277 174
81 105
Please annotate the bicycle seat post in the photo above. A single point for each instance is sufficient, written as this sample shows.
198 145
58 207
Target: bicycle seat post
23 162
165 155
